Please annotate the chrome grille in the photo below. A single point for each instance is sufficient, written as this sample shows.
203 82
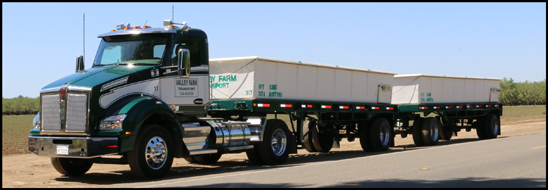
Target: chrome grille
51 117
76 112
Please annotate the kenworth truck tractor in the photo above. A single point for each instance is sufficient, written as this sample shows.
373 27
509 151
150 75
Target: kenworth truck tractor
153 94
143 99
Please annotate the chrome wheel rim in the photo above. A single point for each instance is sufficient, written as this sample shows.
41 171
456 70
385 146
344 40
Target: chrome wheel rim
384 135
156 152
279 142
495 126
434 133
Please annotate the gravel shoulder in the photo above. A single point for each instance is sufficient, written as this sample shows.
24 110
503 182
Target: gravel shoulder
32 171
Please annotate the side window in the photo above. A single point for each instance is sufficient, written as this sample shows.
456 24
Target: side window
158 51
192 46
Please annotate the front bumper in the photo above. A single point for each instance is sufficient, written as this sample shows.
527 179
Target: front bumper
78 147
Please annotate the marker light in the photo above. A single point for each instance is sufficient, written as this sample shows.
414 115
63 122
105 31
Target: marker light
497 106
171 26
286 105
263 105
62 94
136 27
125 28
389 108
423 108
375 108
326 106
112 30
436 107
487 106
360 107
145 26
343 107
458 107
448 107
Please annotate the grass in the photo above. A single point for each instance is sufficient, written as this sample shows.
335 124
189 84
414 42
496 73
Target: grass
16 129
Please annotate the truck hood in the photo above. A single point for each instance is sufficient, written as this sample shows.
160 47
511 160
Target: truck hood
97 75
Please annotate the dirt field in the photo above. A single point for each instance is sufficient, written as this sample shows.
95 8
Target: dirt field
31 171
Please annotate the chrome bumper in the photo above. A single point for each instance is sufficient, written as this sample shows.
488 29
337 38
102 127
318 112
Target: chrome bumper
78 147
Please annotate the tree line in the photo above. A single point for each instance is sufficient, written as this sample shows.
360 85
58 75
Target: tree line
511 93
522 93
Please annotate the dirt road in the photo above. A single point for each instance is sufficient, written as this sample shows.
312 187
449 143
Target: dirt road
31 171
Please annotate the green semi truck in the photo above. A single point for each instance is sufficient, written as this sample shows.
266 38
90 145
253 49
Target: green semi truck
153 94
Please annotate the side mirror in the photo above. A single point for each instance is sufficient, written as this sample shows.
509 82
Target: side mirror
79 63
183 63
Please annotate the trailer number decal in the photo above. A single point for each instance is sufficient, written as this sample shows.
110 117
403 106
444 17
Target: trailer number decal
186 87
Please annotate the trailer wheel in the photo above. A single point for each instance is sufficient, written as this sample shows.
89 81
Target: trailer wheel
322 142
445 131
307 139
273 149
430 131
208 158
363 133
380 134
152 155
416 130
479 125
490 127
71 166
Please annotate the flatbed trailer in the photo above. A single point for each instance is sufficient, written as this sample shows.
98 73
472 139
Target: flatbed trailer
339 120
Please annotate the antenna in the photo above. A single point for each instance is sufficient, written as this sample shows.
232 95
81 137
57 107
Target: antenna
173 11
84 35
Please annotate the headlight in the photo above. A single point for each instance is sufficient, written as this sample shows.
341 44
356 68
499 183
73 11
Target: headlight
36 122
112 123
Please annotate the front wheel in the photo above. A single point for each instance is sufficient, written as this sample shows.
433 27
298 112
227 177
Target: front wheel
71 166
152 155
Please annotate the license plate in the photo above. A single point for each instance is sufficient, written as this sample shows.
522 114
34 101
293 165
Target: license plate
63 149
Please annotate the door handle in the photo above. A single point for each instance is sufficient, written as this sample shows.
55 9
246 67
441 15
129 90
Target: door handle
198 101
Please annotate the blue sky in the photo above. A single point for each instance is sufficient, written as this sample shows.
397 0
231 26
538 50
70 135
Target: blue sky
40 41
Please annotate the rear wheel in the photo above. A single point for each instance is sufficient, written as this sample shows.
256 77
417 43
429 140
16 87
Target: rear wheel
445 131
363 133
71 166
152 155
430 131
273 149
490 127
322 141
307 139
380 134
416 130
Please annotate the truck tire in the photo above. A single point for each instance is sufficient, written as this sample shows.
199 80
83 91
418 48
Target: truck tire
430 131
363 133
71 166
490 126
307 139
380 134
416 131
322 142
479 125
152 155
253 156
445 131
208 158
273 148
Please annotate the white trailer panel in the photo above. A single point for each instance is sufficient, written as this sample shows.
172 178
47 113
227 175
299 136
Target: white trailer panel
419 88
267 78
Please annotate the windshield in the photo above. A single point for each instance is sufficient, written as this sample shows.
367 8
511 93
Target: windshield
140 49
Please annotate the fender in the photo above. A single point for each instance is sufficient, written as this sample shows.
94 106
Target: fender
139 112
